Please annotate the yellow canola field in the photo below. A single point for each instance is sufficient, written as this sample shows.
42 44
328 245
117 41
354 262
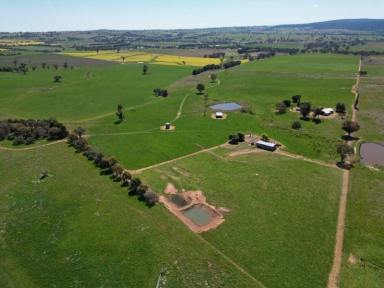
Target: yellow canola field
10 42
132 56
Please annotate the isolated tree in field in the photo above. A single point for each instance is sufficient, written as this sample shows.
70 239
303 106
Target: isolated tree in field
43 65
65 65
200 87
213 77
56 66
97 51
344 150
296 125
305 109
340 108
281 108
350 127
296 99
57 78
265 137
122 58
79 132
145 69
222 57
120 113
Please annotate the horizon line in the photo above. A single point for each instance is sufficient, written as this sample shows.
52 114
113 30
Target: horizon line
192 28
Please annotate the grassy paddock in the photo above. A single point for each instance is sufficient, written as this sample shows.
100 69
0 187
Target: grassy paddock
282 212
80 229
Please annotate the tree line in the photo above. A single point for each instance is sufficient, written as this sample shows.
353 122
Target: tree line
110 166
210 67
21 131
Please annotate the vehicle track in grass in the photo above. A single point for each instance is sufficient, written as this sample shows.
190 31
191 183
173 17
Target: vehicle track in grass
334 275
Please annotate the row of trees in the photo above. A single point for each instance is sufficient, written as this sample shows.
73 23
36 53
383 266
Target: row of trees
210 67
21 131
110 166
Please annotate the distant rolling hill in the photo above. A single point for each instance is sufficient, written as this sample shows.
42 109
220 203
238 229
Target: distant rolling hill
367 25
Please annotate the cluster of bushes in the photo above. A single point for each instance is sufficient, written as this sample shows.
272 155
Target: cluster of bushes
21 68
236 138
21 131
282 106
160 92
110 166
263 55
209 67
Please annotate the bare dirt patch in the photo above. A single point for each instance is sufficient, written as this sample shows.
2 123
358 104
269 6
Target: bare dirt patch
196 200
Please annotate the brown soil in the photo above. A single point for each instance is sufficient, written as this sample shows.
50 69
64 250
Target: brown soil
194 198
170 189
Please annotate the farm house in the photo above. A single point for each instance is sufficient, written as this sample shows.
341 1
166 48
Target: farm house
266 145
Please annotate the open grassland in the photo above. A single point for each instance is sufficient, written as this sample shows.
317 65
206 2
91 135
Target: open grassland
369 46
88 97
80 229
137 56
258 85
363 262
363 259
84 92
280 227
371 102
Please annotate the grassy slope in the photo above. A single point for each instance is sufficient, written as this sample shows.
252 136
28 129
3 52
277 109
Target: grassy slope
365 219
79 229
321 79
283 212
78 97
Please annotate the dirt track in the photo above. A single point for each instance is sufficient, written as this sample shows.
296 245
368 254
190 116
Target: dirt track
334 275
33 147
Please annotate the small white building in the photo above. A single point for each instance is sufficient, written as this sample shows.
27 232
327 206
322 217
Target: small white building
266 145
219 115
327 111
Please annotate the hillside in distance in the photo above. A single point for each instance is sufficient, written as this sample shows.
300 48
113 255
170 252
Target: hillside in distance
366 25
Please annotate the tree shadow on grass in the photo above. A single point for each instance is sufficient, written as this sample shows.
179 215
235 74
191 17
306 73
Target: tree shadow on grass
349 138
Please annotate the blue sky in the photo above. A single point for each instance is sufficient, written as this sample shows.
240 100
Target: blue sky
58 15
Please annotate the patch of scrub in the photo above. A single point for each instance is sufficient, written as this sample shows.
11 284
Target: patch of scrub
228 106
372 154
200 214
